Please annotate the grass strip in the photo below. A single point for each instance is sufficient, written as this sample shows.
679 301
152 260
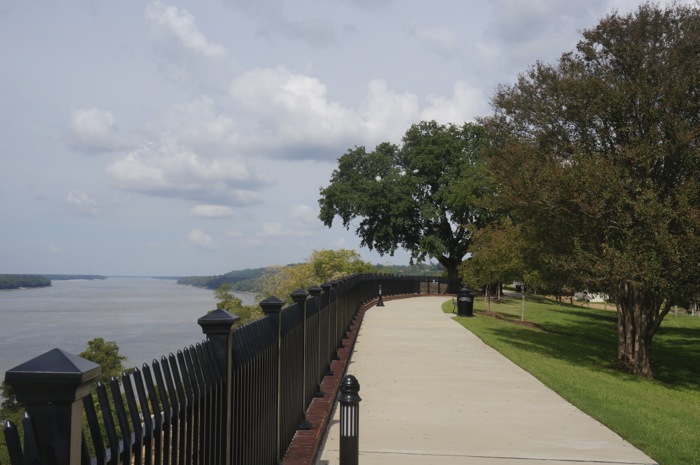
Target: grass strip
571 349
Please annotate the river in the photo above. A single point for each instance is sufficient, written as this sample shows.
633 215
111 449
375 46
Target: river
146 317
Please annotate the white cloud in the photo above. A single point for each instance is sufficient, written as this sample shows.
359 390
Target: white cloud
200 239
56 250
340 243
170 170
280 230
387 114
94 130
199 123
171 20
305 214
295 118
440 39
212 211
466 103
82 203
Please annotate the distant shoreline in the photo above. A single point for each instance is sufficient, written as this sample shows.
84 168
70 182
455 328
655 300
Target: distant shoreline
12 282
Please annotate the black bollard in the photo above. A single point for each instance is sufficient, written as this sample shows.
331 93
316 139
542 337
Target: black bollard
380 302
349 420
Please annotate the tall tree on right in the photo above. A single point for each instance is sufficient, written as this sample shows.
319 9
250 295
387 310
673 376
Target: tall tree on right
598 158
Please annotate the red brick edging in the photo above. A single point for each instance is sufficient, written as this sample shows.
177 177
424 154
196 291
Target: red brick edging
302 450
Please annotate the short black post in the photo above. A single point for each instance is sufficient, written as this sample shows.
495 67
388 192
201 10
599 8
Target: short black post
52 387
380 302
349 421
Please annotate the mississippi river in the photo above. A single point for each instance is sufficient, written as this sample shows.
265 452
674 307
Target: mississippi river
146 317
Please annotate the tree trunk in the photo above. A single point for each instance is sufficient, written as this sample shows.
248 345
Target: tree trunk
639 315
452 268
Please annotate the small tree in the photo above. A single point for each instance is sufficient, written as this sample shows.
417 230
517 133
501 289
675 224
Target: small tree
496 256
229 302
607 185
322 266
106 354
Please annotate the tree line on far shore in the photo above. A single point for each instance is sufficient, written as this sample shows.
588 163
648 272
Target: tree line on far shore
18 281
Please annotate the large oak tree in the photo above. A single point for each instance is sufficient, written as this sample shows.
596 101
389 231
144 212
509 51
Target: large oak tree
420 196
598 157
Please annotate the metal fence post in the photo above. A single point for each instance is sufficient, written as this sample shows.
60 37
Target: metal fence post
272 306
299 297
349 421
218 326
315 293
52 387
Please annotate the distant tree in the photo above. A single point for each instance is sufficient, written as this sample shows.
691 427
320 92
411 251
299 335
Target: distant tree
229 302
106 354
497 256
421 196
597 158
9 401
322 266
16 281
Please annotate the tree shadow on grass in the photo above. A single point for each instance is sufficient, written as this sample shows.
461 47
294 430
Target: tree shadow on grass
675 357
589 338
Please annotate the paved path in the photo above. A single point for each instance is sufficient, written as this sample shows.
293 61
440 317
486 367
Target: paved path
433 393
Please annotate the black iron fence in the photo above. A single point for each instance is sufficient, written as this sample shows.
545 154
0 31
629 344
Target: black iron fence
237 398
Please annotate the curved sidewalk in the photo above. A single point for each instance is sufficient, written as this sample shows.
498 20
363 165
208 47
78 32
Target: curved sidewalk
433 393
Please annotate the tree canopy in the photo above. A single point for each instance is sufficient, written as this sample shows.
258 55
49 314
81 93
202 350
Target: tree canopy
597 157
322 266
421 196
106 354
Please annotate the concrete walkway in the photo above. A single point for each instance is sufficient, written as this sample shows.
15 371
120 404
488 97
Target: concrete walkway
433 393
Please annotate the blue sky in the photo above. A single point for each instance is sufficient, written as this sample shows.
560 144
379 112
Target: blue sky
189 137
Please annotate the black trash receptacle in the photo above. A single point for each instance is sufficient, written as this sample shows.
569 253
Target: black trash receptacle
465 302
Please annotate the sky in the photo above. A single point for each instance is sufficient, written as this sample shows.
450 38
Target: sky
192 138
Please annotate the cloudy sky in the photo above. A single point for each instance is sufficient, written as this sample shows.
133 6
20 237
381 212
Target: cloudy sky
182 137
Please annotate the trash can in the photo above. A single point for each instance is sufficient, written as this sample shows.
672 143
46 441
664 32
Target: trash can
465 302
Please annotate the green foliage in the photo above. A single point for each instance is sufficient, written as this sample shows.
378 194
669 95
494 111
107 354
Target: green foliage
496 256
232 304
9 401
416 269
420 197
106 354
570 349
16 281
607 185
240 280
322 266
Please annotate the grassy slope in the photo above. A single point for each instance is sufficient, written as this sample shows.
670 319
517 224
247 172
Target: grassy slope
570 349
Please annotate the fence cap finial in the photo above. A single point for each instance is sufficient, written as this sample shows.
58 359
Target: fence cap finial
272 305
349 387
315 290
299 295
56 376
217 321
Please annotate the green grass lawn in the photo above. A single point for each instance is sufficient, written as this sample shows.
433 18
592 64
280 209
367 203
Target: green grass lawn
571 348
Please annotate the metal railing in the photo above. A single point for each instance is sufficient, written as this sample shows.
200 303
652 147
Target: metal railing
237 398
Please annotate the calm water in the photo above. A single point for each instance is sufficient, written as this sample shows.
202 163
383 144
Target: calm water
146 317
